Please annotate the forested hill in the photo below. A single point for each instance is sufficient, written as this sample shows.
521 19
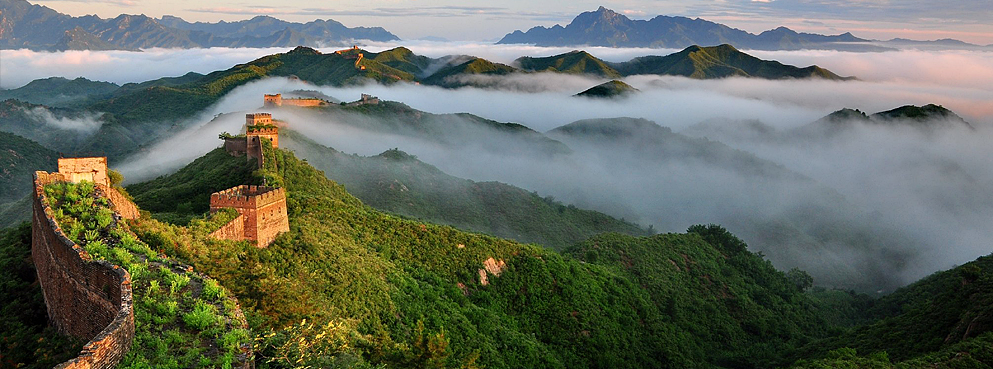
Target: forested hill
404 292
397 182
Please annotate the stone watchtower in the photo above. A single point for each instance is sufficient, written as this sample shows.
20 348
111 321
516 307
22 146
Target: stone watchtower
92 169
260 125
262 213
271 101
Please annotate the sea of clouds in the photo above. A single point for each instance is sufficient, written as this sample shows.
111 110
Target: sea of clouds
933 188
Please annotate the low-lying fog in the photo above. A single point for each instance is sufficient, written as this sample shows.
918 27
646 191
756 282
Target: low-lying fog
928 194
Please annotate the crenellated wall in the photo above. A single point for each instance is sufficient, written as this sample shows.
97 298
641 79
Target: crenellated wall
87 299
93 169
262 213
271 133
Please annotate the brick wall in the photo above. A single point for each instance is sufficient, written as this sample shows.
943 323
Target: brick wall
262 210
121 205
234 230
87 299
90 169
270 133
304 102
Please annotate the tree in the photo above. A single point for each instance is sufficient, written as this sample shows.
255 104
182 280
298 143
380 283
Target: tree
800 279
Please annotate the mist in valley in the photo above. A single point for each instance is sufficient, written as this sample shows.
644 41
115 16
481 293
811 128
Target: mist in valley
875 207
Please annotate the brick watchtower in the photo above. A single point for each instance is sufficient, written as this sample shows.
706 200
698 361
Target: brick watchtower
258 119
269 132
261 209
271 101
93 169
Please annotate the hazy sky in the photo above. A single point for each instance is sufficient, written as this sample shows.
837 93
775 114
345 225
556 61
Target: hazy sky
967 20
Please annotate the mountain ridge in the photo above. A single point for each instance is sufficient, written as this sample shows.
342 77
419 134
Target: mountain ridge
605 27
33 26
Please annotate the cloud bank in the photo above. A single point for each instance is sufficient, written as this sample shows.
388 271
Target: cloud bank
922 195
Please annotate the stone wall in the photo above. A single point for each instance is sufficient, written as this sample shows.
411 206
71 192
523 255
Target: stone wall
304 102
121 205
263 211
236 146
87 299
90 169
272 134
234 230
255 119
254 150
270 101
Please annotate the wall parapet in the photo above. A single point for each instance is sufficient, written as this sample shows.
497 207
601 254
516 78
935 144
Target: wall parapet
85 298
262 213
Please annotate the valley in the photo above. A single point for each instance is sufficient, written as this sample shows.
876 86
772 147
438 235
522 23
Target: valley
627 190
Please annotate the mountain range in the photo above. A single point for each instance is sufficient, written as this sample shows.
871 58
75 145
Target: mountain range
26 25
605 27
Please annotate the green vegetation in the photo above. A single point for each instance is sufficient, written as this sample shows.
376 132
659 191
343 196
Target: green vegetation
59 92
452 76
719 62
609 89
928 316
397 182
177 324
352 285
573 62
19 158
186 194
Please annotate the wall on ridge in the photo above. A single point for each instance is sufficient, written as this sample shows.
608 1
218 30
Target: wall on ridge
87 299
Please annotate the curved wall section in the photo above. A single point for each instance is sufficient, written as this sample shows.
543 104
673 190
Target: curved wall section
87 299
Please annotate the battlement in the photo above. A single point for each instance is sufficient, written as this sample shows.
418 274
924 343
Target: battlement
269 132
93 169
270 100
258 119
262 213
246 196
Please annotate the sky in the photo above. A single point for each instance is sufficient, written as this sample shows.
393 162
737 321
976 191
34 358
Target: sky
967 20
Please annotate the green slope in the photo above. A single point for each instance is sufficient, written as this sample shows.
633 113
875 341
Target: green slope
609 89
407 293
927 317
58 91
26 339
728 303
460 74
19 159
159 102
461 130
719 62
397 182
573 62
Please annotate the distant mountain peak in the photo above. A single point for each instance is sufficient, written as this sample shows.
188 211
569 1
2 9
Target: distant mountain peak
605 27
609 89
304 50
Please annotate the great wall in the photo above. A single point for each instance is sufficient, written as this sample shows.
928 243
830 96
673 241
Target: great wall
92 300
87 299
76 286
